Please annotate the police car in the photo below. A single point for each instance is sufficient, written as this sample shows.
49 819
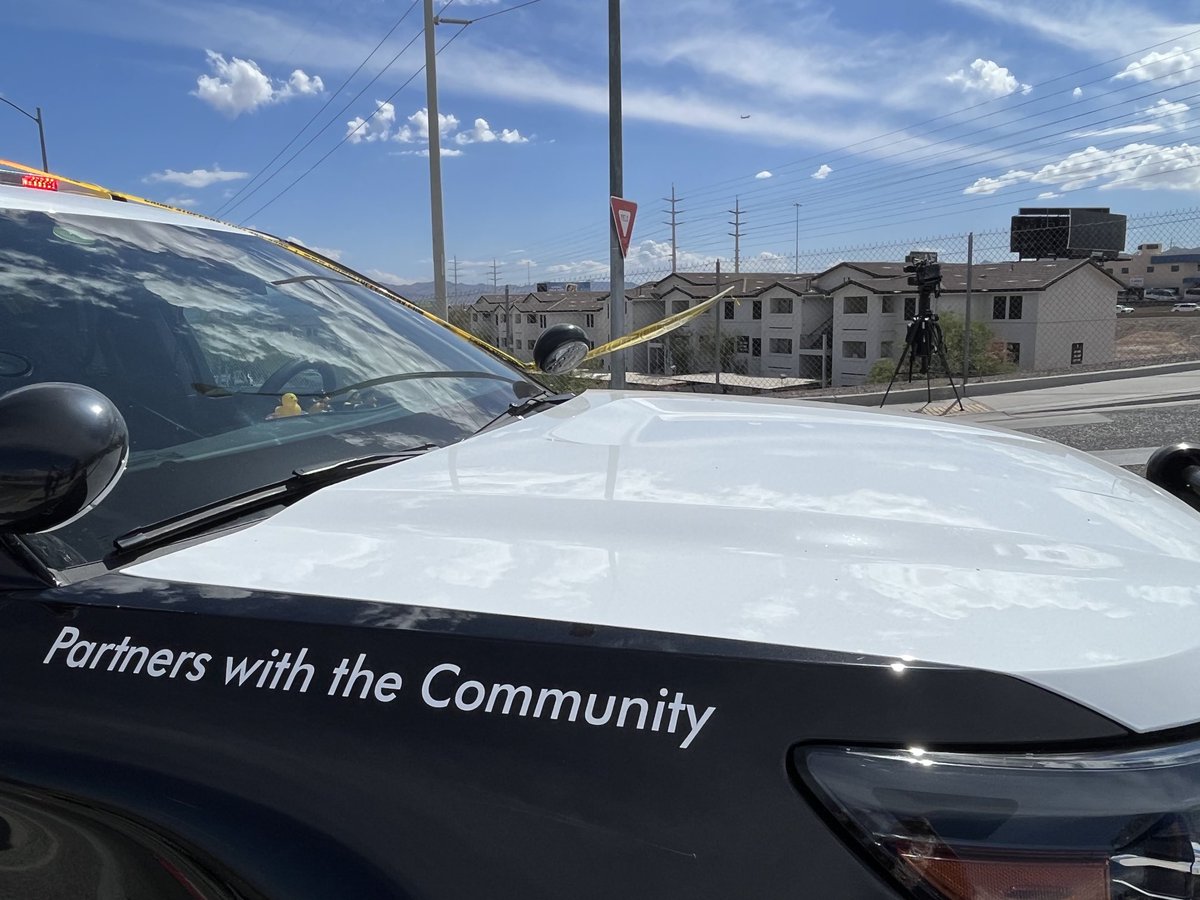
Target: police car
303 595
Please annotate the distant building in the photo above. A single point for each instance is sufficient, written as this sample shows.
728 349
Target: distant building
833 326
514 326
1153 268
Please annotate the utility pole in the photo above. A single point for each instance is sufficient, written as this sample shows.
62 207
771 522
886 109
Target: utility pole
455 274
528 276
719 310
495 276
508 323
434 127
797 259
616 278
736 212
41 130
673 200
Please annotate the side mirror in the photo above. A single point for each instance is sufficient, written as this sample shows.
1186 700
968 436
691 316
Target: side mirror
1176 468
62 448
560 348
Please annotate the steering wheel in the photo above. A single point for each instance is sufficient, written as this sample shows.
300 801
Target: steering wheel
276 381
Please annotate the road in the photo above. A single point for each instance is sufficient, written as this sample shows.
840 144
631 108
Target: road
1121 421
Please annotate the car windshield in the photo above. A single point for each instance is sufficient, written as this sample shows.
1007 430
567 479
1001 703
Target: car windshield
233 360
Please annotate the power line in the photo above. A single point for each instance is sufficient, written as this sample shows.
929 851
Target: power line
324 106
354 130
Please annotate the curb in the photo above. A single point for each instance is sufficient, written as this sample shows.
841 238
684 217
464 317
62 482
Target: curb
1012 386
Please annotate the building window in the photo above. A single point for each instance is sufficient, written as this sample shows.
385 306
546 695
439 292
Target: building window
678 306
531 318
889 305
1076 354
885 349
728 309
756 347
1149 268
756 309
1012 353
854 349
1124 270
781 305
910 308
1174 268
542 321
780 345
743 343
1007 307
854 306
591 320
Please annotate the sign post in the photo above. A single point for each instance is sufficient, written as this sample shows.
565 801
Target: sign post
624 212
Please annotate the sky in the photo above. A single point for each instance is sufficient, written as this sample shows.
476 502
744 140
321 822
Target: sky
884 122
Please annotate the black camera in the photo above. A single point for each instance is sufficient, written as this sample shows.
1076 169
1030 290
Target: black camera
925 275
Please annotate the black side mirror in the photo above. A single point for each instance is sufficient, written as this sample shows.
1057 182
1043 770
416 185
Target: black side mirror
560 348
1176 468
62 448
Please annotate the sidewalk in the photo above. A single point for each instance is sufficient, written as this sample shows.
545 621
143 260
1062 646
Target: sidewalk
1136 391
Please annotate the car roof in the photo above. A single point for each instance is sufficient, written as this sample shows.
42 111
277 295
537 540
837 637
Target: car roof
55 201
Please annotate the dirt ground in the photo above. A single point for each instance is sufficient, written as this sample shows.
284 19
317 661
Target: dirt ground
1154 334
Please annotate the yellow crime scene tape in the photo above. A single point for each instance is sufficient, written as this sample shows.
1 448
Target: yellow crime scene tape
640 336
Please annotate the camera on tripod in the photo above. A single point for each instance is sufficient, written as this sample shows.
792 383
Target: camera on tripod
926 276
923 339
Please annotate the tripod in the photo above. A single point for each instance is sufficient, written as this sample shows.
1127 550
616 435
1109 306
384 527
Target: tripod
922 340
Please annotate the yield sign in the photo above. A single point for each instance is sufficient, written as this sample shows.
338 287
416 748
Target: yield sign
624 212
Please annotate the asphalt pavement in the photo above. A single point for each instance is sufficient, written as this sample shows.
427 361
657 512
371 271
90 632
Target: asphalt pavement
1122 421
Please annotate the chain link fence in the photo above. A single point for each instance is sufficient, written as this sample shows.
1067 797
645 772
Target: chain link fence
1059 295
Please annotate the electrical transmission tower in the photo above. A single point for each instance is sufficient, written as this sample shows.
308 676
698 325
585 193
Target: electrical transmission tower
673 212
736 234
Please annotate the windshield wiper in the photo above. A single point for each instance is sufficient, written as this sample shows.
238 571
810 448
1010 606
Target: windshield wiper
299 484
528 405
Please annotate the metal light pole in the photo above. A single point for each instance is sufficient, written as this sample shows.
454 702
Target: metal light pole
434 127
41 130
797 260
616 279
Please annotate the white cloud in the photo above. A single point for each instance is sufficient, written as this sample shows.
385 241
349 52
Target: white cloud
1165 109
1144 128
382 127
1144 167
1164 115
238 85
377 128
482 133
417 129
991 185
197 178
424 151
822 173
301 83
1101 27
1169 69
324 251
384 277
1047 195
1138 166
763 174
1077 93
988 77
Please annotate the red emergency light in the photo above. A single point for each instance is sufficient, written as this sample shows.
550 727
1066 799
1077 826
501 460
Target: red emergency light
40 182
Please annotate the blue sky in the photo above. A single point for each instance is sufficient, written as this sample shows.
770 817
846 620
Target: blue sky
885 122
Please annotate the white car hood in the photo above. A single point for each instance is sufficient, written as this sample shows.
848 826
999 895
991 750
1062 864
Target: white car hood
791 523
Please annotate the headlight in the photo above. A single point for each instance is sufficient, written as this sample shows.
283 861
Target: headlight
1080 826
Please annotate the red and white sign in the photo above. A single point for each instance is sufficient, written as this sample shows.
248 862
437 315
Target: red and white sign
624 212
